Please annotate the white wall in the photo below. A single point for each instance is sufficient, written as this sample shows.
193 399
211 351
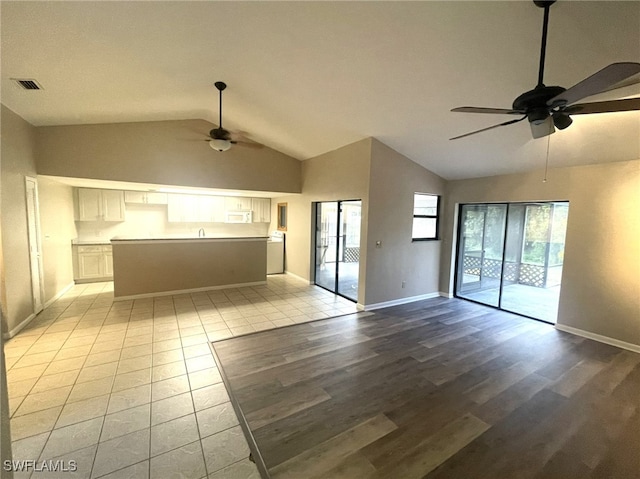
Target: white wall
600 291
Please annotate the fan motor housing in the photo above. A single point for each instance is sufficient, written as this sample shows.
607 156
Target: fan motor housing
534 102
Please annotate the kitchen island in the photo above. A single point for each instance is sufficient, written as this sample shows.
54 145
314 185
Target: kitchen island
163 266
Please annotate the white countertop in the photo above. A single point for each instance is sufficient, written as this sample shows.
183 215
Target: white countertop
185 239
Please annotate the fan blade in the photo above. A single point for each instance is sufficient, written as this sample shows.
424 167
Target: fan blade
596 83
629 104
632 80
500 111
511 122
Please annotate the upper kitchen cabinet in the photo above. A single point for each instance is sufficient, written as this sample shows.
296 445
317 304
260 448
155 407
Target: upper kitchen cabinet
237 203
211 209
100 205
195 209
261 208
145 198
182 209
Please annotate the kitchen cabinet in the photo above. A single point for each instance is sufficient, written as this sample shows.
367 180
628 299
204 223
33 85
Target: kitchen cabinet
145 197
92 263
100 205
237 203
211 209
261 208
195 209
182 208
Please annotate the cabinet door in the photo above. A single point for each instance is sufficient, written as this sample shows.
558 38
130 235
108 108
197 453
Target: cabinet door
237 203
156 198
89 204
261 208
90 265
174 208
135 197
210 209
190 208
182 208
113 205
107 258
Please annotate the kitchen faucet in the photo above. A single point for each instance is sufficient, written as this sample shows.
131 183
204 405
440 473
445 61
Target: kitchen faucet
201 233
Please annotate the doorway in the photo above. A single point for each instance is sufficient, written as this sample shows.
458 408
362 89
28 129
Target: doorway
337 246
510 256
35 248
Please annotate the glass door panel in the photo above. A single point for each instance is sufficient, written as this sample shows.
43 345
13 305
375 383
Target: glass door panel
535 236
337 246
510 256
326 244
349 248
480 252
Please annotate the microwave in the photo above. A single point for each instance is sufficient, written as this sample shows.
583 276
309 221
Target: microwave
238 217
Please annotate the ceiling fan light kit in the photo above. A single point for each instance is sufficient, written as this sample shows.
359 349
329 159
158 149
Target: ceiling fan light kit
219 144
550 107
221 139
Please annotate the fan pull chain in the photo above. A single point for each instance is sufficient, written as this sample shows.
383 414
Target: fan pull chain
546 164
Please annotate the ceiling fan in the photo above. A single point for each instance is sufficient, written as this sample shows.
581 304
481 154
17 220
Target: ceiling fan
221 139
551 107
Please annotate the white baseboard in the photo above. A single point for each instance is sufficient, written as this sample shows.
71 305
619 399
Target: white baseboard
19 327
600 338
444 294
187 291
59 294
298 277
396 302
28 319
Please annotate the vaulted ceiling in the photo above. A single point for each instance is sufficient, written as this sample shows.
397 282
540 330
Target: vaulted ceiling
309 77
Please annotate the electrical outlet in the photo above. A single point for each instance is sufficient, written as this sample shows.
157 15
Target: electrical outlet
404 283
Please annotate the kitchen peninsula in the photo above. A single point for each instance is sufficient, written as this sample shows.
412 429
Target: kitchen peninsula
154 267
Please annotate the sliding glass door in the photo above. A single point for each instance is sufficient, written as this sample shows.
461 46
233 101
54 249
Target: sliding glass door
337 246
510 256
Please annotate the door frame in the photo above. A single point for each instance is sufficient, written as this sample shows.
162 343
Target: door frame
36 269
314 249
456 271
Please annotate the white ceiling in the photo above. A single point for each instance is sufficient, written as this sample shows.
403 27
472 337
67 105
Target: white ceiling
309 77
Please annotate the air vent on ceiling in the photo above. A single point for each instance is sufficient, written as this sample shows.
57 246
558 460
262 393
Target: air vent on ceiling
27 83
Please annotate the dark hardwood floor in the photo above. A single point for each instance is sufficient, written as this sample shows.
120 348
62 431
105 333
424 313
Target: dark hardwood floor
442 388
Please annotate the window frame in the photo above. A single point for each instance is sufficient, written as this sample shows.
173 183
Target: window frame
436 217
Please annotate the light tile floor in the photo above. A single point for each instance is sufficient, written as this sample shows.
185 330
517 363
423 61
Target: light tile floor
130 389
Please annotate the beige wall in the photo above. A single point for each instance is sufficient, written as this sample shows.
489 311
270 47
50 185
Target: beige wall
146 267
394 180
5 431
161 152
17 161
600 290
342 174
57 230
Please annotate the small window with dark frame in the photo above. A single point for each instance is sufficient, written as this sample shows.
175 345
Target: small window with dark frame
282 216
426 212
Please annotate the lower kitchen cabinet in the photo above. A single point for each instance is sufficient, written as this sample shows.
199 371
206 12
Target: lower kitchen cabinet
92 263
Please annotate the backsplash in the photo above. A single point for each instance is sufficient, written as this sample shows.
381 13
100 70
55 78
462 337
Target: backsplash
150 221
